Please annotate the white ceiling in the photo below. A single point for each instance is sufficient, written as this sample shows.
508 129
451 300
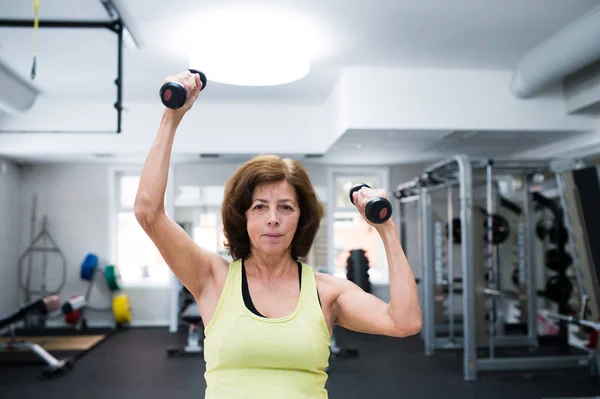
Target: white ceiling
385 33
372 147
398 147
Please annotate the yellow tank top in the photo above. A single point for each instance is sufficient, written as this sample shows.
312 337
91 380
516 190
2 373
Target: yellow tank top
248 356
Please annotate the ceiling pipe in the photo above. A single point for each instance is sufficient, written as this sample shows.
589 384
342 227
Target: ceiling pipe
570 49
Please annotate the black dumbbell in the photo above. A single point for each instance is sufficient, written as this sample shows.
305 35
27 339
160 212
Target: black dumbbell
173 95
378 209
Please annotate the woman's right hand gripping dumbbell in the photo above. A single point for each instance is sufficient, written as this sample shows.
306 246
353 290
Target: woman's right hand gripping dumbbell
192 84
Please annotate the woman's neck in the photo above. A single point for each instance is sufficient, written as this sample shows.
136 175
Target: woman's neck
270 266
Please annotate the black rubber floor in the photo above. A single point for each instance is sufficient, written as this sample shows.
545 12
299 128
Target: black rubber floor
133 364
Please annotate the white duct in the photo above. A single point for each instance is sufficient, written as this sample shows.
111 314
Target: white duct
572 48
16 94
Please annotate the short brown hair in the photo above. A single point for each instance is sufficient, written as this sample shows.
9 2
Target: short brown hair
238 198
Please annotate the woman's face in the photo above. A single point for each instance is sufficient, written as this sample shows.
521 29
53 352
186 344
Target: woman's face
272 218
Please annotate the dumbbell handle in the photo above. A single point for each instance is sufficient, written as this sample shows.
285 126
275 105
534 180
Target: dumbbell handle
173 95
377 210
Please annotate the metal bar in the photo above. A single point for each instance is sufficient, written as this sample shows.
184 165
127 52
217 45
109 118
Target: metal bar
116 26
401 225
417 187
503 341
533 363
57 131
466 218
530 264
443 185
43 249
520 166
591 324
496 293
428 278
406 200
490 257
443 163
575 320
38 350
88 291
119 80
25 23
521 248
450 264
32 235
421 263
499 164
475 182
497 261
44 267
584 300
409 184
438 253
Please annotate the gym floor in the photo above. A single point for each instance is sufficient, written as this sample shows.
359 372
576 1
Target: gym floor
133 364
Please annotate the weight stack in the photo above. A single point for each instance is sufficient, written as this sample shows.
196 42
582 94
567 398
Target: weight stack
357 269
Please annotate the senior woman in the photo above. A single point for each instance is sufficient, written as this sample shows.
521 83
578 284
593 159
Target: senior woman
268 316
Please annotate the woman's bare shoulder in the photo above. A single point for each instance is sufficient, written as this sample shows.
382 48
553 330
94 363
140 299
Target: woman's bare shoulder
329 283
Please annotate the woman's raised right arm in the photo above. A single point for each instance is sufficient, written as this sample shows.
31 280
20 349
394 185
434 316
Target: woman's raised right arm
191 264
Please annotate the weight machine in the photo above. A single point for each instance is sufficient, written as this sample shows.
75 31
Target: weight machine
43 245
481 328
40 306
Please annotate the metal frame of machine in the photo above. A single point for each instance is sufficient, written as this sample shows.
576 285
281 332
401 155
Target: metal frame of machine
458 171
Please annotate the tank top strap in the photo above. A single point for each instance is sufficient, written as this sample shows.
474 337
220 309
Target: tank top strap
309 287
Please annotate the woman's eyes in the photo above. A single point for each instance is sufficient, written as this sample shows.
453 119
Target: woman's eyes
284 207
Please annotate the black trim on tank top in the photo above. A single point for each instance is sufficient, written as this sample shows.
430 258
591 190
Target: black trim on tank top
246 291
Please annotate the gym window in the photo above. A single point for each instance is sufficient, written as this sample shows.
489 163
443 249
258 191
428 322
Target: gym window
135 254
198 211
348 229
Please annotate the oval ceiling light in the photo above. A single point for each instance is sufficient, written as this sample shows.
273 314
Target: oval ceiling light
249 48
237 68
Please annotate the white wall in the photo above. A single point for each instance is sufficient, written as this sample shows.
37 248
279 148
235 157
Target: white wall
10 225
217 173
76 200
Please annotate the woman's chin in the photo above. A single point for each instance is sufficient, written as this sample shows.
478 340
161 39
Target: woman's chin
274 249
